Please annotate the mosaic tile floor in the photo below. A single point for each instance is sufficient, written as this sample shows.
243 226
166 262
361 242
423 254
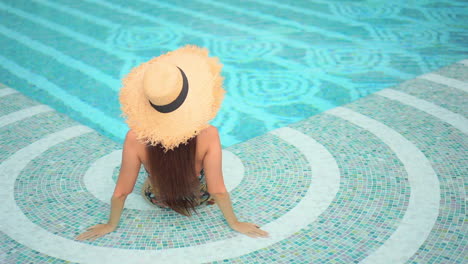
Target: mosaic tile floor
379 180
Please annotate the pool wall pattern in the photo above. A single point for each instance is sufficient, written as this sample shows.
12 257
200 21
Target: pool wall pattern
378 180
284 61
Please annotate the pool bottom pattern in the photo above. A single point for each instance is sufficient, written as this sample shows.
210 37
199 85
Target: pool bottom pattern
368 184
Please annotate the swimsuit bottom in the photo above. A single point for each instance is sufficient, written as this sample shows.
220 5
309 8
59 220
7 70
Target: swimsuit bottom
204 195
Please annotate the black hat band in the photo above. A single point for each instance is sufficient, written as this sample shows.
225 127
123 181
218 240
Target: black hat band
178 101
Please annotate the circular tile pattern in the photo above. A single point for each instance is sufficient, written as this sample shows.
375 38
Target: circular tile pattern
445 148
370 209
37 148
341 233
66 163
367 208
18 135
101 177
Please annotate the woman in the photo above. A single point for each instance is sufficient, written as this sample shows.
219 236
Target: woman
168 102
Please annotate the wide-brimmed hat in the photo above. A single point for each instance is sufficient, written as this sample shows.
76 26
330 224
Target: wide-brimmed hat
171 98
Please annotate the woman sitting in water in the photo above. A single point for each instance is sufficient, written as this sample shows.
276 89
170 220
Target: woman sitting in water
168 102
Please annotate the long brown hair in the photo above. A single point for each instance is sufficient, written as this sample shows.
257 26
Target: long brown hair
173 174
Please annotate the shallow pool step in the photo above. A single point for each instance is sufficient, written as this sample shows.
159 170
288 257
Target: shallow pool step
376 181
23 121
46 159
446 88
441 143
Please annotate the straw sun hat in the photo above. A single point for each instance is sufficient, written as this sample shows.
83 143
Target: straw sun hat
171 98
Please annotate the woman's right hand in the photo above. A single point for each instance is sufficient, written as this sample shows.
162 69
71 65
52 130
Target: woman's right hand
96 231
250 229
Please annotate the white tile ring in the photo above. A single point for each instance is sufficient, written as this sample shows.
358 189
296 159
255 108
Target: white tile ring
98 178
423 207
322 190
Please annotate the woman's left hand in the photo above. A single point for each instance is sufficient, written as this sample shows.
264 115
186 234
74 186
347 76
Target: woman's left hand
96 231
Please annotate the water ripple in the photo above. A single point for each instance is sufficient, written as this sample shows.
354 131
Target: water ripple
412 36
241 50
445 15
266 88
360 11
142 38
346 60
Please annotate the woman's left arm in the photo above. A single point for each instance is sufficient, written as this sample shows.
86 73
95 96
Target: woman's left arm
127 177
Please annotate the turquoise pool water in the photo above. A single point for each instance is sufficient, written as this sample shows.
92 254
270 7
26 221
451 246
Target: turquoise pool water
283 61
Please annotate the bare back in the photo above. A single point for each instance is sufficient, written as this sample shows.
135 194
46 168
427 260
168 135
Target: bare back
208 157
204 139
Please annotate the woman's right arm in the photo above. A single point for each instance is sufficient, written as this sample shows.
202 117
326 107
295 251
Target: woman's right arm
212 164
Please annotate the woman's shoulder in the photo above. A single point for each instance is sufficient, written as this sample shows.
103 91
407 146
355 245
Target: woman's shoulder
132 141
131 137
210 133
210 130
208 137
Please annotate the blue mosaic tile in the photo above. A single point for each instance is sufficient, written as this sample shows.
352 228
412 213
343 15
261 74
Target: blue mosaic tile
456 71
449 98
14 102
445 148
